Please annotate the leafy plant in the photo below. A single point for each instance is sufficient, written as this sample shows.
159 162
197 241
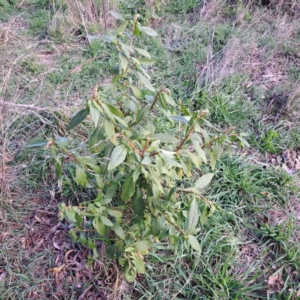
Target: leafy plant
267 141
138 171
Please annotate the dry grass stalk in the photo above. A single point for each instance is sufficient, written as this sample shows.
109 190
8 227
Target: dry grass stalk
88 12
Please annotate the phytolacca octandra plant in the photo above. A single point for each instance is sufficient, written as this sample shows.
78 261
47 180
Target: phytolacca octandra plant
134 165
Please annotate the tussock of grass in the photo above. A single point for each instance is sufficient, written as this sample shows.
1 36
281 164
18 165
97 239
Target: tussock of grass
236 58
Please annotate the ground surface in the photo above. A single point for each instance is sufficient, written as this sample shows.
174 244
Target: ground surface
241 61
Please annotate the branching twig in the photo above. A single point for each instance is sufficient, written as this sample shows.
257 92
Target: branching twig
175 225
200 115
146 145
156 98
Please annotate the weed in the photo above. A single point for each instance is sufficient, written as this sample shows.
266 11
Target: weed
224 56
39 22
182 7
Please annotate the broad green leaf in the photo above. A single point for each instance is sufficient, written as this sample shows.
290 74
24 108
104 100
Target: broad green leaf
117 156
169 99
155 226
124 61
165 138
170 161
163 103
132 105
129 273
153 146
114 213
143 52
94 142
137 31
109 129
171 193
184 110
111 191
146 62
159 164
128 189
204 181
146 82
122 28
77 119
213 160
204 215
136 174
193 118
194 243
143 246
192 218
149 99
142 113
91 245
149 31
217 150
126 49
114 110
205 135
146 160
106 221
99 226
117 15
108 113
82 239
139 263
70 215
118 231
87 160
156 179
181 119
81 177
121 122
135 61
106 151
106 86
138 204
106 201
136 92
95 115
62 142
36 143
186 166
199 151
194 159
243 142
73 235
150 127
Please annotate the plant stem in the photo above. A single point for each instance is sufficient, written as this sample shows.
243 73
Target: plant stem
175 225
200 115
155 100
133 147
146 145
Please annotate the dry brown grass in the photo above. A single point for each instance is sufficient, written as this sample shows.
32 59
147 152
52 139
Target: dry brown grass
264 65
291 7
83 15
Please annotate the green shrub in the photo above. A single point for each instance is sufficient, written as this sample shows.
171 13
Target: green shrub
140 160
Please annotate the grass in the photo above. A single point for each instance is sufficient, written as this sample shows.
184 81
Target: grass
240 61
